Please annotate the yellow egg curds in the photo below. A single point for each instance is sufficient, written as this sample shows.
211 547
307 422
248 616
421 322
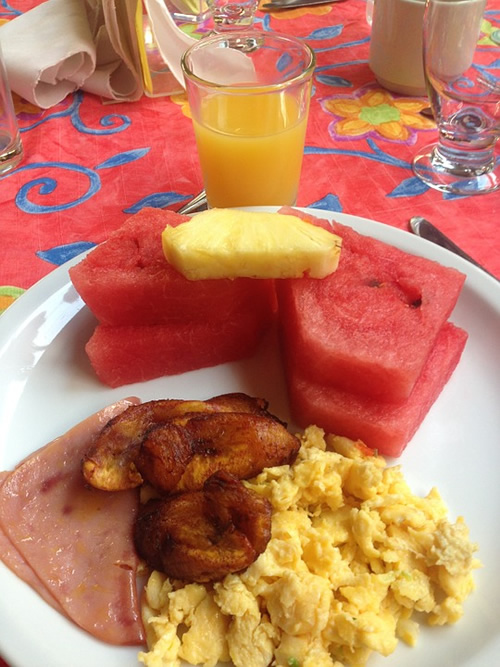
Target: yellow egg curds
353 555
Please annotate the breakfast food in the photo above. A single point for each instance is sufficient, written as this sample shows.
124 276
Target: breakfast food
183 453
108 463
318 561
384 426
123 355
206 534
155 322
358 334
369 327
75 544
126 281
223 243
198 521
177 445
354 563
71 543
368 349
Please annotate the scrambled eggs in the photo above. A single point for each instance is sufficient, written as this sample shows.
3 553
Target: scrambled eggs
353 555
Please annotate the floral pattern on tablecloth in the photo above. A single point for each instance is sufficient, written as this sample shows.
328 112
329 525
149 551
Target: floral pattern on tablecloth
374 112
90 164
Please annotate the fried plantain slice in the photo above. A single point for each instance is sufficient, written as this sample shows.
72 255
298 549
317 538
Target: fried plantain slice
110 462
202 536
241 444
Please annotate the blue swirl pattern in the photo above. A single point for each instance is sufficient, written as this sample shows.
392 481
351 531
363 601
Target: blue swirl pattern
338 76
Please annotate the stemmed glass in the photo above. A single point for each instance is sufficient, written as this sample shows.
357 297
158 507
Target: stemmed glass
460 42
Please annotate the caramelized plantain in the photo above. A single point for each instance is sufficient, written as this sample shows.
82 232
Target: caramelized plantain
183 453
204 535
110 462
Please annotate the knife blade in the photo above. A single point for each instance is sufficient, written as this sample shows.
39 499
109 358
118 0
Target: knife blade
195 204
294 4
426 230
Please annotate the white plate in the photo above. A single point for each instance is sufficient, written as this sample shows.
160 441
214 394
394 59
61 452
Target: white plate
46 386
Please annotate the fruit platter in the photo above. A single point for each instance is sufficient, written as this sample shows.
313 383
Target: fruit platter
49 384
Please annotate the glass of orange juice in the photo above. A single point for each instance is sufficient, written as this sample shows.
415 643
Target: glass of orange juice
249 97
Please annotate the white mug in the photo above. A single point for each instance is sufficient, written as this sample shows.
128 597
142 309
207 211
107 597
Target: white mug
396 56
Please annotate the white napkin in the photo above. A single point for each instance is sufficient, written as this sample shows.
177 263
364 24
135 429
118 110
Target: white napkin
118 72
48 51
62 45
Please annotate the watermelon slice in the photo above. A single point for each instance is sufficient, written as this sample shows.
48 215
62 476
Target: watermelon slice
387 427
127 280
127 354
369 327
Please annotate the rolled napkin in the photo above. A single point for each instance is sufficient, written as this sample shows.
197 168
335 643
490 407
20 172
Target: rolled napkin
118 63
48 51
62 45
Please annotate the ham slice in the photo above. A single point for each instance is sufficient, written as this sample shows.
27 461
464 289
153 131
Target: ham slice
72 543
11 557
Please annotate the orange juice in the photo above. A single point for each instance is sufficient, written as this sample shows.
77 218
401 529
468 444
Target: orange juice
250 148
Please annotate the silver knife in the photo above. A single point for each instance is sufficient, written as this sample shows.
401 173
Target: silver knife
426 230
195 204
293 4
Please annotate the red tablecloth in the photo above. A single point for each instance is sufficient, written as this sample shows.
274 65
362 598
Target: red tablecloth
88 165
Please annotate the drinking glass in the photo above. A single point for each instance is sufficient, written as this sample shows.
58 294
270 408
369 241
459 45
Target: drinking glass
11 147
460 52
249 115
231 14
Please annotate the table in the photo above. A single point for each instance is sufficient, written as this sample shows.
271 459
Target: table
89 165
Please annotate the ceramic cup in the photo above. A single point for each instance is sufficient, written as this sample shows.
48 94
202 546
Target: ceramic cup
396 46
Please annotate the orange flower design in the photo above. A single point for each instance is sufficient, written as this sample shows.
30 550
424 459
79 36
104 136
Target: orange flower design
375 112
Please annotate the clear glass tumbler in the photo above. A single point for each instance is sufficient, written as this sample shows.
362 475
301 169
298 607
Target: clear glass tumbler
461 55
11 148
249 111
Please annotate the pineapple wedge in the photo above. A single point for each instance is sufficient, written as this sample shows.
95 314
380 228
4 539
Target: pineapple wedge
229 243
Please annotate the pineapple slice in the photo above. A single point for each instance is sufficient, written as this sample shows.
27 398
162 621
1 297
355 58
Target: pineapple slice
229 243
